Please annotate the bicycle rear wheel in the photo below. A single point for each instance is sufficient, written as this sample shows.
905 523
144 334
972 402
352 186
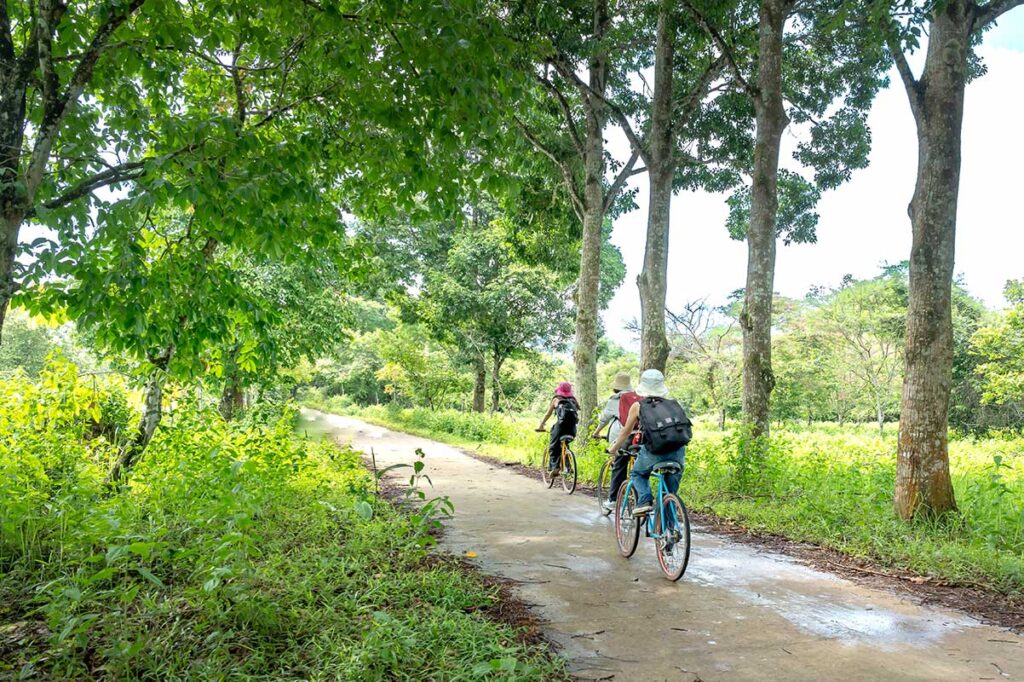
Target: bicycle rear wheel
604 479
672 544
568 471
627 526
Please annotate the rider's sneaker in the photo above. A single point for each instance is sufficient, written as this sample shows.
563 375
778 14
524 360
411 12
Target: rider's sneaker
643 510
553 473
608 505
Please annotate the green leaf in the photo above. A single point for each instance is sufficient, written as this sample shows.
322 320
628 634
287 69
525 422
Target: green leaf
364 510
145 573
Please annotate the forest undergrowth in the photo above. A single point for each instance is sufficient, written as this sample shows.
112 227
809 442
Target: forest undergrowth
826 484
236 551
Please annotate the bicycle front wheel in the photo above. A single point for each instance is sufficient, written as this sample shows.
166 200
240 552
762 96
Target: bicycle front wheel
627 526
568 471
672 541
604 479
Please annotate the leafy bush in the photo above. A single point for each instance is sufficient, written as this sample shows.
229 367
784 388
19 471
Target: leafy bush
235 551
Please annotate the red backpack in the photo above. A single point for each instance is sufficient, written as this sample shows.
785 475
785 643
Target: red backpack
626 401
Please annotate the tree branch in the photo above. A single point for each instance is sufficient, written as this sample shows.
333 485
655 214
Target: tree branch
54 110
911 84
567 176
687 106
986 14
49 16
124 172
638 145
121 173
619 182
724 48
563 104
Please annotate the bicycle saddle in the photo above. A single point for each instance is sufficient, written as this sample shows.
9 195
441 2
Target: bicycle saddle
667 468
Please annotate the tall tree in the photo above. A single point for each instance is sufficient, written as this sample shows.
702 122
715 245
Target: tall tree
576 38
481 297
662 125
793 64
923 483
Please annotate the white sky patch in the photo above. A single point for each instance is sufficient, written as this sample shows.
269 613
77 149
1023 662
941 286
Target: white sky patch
864 223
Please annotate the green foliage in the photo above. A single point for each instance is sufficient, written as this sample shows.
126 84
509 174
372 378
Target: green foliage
481 298
796 220
1000 346
417 369
25 344
235 551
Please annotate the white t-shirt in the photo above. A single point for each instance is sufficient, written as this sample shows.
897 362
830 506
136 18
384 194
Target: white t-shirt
610 415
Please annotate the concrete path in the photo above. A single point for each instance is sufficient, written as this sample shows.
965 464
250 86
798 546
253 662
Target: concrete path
737 614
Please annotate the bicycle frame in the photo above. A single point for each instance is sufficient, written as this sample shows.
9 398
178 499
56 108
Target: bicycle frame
659 506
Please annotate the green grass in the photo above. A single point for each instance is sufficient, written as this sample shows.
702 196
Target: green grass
237 552
827 484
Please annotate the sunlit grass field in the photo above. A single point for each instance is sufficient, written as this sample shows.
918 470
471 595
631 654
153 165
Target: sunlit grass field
826 483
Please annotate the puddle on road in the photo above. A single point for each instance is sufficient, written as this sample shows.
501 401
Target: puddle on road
815 602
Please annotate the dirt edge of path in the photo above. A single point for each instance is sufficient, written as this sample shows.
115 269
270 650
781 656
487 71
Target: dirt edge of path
985 605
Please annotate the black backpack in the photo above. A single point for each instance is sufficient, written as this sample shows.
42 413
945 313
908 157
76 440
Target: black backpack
567 412
664 424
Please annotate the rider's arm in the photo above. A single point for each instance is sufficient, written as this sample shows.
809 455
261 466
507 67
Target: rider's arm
609 414
547 415
627 429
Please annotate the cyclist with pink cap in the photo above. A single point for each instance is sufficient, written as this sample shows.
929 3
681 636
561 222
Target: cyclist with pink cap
566 410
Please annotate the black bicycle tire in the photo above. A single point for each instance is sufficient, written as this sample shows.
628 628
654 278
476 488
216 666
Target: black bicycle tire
673 575
570 459
627 496
602 487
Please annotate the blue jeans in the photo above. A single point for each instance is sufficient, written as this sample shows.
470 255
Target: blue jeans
645 462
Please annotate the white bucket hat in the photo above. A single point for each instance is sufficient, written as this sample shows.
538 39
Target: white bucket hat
652 384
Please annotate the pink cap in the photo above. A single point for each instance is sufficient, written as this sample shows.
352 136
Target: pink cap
564 390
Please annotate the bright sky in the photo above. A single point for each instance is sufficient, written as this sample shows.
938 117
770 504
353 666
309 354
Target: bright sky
863 223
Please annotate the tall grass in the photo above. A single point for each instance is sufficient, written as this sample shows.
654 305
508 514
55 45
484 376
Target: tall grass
236 552
824 483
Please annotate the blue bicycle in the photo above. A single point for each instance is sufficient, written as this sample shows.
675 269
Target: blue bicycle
668 525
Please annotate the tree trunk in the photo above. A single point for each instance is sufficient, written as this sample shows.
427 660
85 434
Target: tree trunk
923 483
585 355
880 415
8 253
12 201
756 318
152 413
232 400
653 279
480 387
721 419
495 382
